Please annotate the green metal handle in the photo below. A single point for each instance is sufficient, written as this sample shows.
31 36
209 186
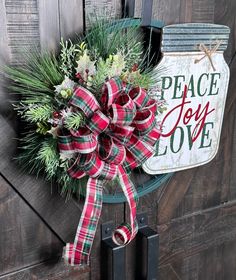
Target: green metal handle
133 22
146 188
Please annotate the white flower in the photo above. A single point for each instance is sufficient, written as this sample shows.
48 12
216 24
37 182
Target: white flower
116 65
85 66
66 86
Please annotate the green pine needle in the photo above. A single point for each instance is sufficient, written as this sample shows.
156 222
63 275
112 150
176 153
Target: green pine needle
67 58
104 40
74 121
49 157
35 80
38 113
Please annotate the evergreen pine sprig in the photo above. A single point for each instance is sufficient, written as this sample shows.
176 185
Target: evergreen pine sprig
38 113
75 120
48 156
104 40
29 145
67 58
35 80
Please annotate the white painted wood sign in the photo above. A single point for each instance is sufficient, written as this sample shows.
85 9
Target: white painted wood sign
194 86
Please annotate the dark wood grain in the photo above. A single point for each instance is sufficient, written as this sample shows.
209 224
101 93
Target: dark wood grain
199 234
167 10
41 196
191 234
225 14
186 7
49 270
25 240
203 11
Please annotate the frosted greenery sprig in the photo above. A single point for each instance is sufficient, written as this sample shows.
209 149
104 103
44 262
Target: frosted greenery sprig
38 113
74 120
49 157
67 57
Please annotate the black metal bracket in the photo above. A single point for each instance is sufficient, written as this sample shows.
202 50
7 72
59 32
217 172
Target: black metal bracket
147 255
112 255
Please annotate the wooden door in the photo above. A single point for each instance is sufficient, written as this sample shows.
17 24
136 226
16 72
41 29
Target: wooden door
194 212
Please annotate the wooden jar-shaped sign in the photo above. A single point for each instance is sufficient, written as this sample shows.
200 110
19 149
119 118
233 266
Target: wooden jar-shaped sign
194 85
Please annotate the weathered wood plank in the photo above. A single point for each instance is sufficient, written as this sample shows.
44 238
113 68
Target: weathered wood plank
25 240
213 263
225 14
22 26
167 11
71 18
173 195
4 55
109 8
186 11
21 6
49 24
41 196
203 11
191 234
162 10
49 270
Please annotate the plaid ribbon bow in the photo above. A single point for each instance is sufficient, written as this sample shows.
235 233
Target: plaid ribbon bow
120 134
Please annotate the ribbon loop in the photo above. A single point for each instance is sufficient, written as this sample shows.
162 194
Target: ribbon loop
123 111
139 96
126 232
65 144
111 151
110 91
85 101
144 122
84 141
98 122
119 135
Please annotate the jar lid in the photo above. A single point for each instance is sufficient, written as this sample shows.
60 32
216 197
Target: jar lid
187 37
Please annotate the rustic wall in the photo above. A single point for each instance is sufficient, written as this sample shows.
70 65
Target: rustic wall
194 212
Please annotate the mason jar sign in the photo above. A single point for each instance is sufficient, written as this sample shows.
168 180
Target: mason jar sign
194 85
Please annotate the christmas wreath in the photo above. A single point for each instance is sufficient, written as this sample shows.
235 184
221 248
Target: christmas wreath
89 114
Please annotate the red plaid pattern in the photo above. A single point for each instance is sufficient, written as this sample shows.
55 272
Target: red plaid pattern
139 96
126 232
85 101
78 253
117 138
111 90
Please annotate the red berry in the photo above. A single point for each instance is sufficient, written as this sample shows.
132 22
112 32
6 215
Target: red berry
78 75
135 67
55 115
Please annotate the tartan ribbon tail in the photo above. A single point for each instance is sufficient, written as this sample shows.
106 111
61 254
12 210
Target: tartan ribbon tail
127 232
77 253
